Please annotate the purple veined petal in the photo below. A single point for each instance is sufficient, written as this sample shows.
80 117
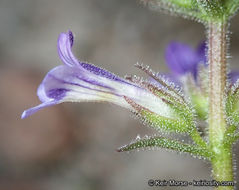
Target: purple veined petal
100 72
45 95
65 43
71 38
181 59
80 82
74 84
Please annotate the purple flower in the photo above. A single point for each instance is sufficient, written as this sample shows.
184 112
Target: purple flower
75 81
233 76
182 59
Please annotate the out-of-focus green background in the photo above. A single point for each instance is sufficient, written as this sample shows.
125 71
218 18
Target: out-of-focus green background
72 146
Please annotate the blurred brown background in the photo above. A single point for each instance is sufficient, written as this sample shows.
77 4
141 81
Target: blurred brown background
72 146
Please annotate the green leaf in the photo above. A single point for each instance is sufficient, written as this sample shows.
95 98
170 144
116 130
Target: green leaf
186 8
231 135
213 8
183 3
199 10
232 7
179 3
162 142
168 124
234 118
232 104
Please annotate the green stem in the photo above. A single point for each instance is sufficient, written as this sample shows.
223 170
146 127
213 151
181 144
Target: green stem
222 166
217 46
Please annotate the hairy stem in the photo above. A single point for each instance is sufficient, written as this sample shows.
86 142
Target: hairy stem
217 47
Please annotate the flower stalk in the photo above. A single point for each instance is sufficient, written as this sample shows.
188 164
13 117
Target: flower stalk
217 50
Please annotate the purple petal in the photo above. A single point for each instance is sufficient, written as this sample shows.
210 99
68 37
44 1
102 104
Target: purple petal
64 77
65 43
100 72
33 110
233 76
181 59
71 38
201 52
45 91
77 81
67 84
